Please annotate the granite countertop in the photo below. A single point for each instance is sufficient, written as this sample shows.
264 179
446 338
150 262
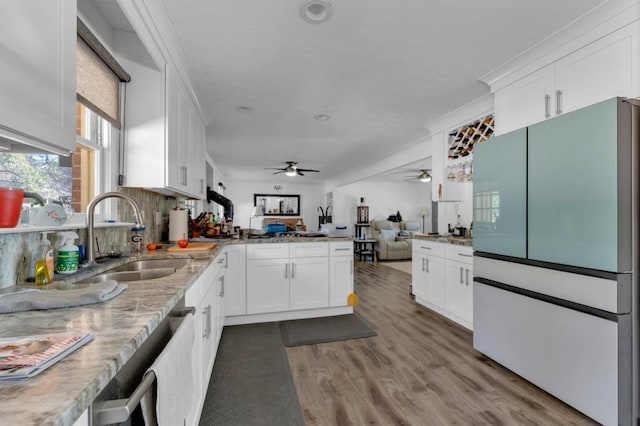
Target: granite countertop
447 239
64 391
59 395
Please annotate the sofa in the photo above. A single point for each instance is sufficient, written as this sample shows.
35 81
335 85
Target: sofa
393 239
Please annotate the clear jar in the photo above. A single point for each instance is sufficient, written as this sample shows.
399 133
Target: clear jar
137 239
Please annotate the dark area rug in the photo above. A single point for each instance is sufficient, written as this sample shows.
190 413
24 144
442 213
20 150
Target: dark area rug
251 382
326 329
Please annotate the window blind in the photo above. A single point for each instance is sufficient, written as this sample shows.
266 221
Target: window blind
98 77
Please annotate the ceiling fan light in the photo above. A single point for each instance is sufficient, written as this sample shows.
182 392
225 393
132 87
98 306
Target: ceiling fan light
290 172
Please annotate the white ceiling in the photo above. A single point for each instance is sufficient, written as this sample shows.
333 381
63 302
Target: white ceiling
380 69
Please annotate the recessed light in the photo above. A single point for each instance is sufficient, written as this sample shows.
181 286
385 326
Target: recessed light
316 11
244 108
322 117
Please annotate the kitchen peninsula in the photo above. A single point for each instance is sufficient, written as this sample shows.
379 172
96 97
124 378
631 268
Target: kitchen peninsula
442 273
122 325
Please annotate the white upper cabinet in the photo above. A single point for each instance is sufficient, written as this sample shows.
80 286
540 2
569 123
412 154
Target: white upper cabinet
602 69
526 101
38 68
164 129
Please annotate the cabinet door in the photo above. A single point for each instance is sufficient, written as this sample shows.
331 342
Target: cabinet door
434 281
340 280
175 169
309 286
526 101
210 338
459 290
38 68
601 70
267 285
418 277
235 287
579 188
193 298
500 195
196 154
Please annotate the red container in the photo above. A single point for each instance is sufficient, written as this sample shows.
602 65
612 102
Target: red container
10 207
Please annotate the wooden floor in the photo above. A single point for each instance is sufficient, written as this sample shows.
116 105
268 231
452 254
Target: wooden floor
421 369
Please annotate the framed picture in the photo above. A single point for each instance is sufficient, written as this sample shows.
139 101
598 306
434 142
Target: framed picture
278 204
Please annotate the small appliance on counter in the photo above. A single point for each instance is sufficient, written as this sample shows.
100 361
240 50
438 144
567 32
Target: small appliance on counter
178 223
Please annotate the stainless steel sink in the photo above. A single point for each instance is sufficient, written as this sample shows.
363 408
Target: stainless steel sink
142 265
129 276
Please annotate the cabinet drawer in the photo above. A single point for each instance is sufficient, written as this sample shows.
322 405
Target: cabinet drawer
268 251
459 253
309 250
342 248
428 247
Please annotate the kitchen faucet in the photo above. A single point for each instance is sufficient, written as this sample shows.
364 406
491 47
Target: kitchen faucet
91 254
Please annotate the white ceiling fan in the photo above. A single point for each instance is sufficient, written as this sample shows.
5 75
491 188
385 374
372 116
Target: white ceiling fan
424 175
291 169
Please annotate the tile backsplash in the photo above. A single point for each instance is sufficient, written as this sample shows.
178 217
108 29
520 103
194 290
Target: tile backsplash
16 250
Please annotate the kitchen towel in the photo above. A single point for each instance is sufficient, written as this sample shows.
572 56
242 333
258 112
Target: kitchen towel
35 299
175 381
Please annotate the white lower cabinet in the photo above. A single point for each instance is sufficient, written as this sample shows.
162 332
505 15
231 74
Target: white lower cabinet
459 290
442 279
267 285
340 272
428 272
205 296
235 290
309 283
293 280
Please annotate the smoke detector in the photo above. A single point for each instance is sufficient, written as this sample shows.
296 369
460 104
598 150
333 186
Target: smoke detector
316 11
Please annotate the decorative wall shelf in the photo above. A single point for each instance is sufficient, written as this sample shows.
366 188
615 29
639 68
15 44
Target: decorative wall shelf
461 140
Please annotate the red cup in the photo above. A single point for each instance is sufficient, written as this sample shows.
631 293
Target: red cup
10 207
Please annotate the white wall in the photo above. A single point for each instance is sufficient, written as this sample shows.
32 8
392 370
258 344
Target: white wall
383 199
241 194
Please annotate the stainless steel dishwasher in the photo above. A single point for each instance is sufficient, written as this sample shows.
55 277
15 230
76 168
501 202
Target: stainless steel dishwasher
119 402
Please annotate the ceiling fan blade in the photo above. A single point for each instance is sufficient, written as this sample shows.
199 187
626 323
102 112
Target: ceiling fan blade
299 174
281 171
273 168
308 170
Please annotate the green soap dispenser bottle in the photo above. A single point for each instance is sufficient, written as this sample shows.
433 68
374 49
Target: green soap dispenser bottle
44 261
68 254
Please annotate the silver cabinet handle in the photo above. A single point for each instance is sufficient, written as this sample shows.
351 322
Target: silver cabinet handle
426 248
185 176
465 255
352 267
467 276
293 270
286 270
427 264
207 324
558 102
343 249
220 260
461 282
221 294
423 268
226 260
547 110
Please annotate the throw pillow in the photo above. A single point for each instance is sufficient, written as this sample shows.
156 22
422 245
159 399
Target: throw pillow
387 234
